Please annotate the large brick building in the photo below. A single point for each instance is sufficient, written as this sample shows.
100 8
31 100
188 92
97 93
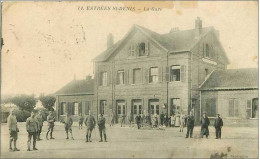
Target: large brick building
151 72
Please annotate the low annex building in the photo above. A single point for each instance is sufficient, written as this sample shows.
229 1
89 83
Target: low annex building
75 98
232 93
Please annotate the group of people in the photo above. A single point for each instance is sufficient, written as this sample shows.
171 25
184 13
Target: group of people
35 122
218 124
34 125
176 120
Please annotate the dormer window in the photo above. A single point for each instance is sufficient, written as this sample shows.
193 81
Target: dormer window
141 48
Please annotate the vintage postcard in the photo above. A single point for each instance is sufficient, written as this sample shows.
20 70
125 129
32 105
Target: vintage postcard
129 79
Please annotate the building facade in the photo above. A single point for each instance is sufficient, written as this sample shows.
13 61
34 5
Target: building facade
75 98
156 73
233 94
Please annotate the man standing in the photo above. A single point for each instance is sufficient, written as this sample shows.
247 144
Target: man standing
138 121
218 125
67 124
112 119
190 125
32 129
102 127
90 124
50 120
39 118
123 119
130 119
80 121
204 126
13 130
162 118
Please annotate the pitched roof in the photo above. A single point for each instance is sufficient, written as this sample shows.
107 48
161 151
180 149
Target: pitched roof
77 87
173 42
232 79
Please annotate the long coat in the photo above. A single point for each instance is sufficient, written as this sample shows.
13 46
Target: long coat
190 121
218 122
204 126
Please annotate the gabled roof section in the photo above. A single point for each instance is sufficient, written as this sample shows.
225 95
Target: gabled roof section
232 79
172 42
75 87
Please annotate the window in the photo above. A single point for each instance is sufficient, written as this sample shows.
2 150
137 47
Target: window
103 78
137 79
233 107
175 73
121 108
211 107
103 104
154 74
76 109
136 106
154 106
141 49
120 77
207 50
62 108
255 108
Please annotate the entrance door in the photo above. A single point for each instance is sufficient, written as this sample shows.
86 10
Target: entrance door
154 107
121 108
136 107
175 105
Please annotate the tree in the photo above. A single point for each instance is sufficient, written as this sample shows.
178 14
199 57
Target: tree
24 102
48 102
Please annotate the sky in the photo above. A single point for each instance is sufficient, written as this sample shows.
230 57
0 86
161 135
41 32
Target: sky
48 44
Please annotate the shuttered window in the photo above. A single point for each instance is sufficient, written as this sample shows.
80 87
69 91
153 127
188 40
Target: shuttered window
175 74
249 108
233 108
103 79
120 77
154 75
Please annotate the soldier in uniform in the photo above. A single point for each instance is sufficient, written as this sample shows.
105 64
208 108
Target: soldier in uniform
90 123
80 121
204 126
138 121
68 121
32 129
123 116
13 130
50 120
218 125
102 127
39 117
190 125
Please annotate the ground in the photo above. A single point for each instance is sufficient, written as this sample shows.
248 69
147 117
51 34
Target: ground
237 142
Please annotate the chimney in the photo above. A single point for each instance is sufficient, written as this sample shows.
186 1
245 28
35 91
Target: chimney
174 30
198 26
110 40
